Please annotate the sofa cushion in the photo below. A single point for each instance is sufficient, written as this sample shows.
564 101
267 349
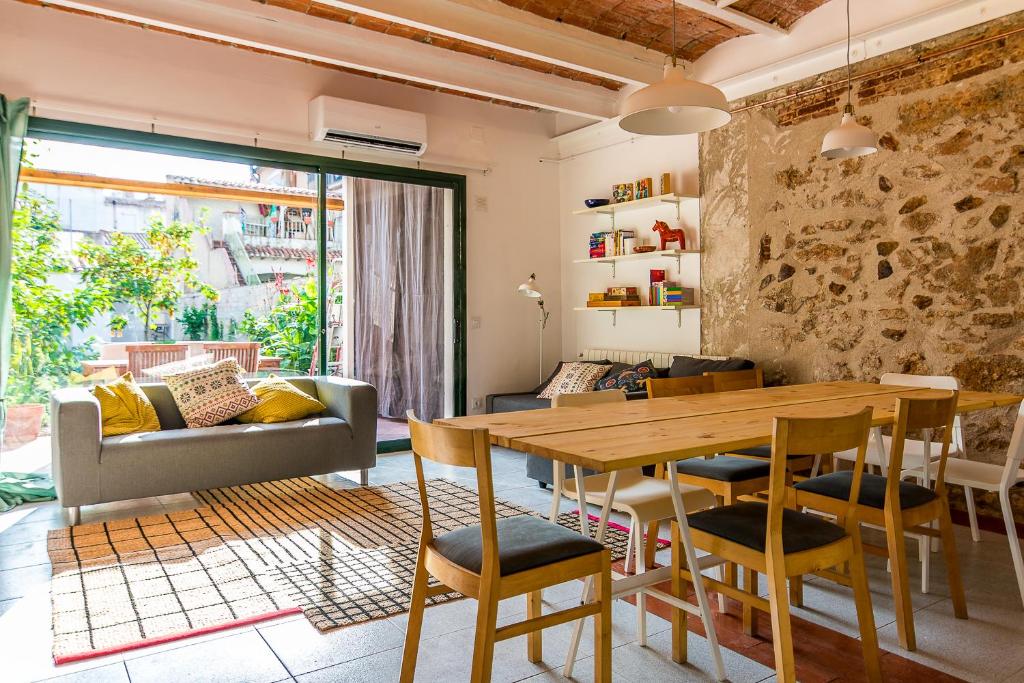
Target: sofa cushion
210 395
125 408
507 403
689 366
574 378
631 378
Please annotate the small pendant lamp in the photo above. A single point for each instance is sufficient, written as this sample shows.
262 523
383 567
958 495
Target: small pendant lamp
849 139
676 105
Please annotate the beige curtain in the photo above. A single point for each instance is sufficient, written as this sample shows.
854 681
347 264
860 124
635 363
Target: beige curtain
398 290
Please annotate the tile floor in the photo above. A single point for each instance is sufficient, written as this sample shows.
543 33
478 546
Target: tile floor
988 647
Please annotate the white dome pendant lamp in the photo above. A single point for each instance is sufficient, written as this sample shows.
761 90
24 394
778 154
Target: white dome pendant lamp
849 139
676 105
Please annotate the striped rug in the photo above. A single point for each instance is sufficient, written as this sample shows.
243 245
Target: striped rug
251 553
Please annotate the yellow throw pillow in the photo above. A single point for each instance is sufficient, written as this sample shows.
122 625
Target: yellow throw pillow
280 401
125 408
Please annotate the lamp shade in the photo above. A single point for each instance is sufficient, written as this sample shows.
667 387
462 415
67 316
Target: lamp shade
849 139
529 288
676 105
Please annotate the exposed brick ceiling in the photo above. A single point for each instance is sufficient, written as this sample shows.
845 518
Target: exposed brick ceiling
316 9
648 23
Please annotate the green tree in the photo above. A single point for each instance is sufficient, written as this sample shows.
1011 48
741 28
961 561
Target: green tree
289 330
151 278
42 355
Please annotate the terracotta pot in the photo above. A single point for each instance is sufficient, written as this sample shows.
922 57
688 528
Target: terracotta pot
24 422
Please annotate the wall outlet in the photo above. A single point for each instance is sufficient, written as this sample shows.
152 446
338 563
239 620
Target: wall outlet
476 322
478 403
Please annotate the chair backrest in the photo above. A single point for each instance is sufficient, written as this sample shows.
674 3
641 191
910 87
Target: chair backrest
246 353
923 381
457 447
1016 453
589 398
928 414
142 356
734 380
801 435
662 387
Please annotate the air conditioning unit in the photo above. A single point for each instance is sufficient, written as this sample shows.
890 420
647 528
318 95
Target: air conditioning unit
367 126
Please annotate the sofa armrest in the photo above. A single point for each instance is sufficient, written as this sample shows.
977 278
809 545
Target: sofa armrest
356 403
75 442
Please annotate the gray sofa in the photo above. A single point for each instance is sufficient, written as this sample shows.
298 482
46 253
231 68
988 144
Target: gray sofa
89 468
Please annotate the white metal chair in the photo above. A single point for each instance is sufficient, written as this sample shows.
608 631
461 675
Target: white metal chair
992 477
644 499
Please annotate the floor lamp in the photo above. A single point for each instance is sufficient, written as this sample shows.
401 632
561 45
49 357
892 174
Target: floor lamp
529 289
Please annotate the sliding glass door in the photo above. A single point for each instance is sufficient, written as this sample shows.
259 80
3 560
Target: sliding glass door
153 253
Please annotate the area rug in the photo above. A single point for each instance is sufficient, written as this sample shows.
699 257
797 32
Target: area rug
251 553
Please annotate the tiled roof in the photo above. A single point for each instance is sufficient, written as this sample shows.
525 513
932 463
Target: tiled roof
255 187
264 251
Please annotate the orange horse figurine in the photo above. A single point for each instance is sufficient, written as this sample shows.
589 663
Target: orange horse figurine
667 235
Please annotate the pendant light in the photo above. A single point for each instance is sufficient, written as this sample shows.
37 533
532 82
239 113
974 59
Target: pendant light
676 105
849 139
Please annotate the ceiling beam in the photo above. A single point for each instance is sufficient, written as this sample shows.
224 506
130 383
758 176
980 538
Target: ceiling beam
722 11
495 25
285 32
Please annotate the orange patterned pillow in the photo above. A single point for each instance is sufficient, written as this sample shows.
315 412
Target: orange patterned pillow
212 394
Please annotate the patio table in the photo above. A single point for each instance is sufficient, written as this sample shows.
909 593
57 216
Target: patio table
120 365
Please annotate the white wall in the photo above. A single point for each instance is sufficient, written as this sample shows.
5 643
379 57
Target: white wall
84 69
592 174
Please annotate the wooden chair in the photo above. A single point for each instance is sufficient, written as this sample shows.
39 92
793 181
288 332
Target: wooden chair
782 542
663 387
991 477
142 356
898 506
647 500
499 559
736 380
246 353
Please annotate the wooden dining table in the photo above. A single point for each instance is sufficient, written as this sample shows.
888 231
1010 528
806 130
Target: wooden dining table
609 438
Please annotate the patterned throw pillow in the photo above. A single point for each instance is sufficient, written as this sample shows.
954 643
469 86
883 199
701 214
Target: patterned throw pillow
631 379
574 378
210 395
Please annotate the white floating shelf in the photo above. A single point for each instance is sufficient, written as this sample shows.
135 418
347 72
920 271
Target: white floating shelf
645 203
615 310
665 253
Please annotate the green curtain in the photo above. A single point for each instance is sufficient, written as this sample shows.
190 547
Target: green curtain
14 488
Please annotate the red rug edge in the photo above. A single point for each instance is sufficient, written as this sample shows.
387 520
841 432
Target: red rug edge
181 635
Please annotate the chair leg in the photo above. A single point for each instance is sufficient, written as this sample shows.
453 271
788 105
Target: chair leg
603 623
629 546
486 623
796 591
1011 535
651 544
782 634
749 613
679 590
534 639
956 586
924 548
417 605
641 598
896 543
972 514
865 617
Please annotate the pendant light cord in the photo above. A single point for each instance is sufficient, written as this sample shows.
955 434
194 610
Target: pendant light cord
674 32
849 68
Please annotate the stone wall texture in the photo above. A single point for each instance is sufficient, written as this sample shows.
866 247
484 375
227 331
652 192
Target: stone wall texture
908 260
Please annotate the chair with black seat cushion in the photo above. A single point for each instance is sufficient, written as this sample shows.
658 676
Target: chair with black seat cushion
783 543
899 506
499 559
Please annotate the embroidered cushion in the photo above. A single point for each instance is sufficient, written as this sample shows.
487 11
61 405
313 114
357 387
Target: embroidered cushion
210 395
280 401
574 378
633 378
125 408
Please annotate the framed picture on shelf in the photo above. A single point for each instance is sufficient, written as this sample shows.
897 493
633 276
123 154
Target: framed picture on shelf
644 188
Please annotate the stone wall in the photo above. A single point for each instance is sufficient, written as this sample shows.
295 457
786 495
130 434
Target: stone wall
908 260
